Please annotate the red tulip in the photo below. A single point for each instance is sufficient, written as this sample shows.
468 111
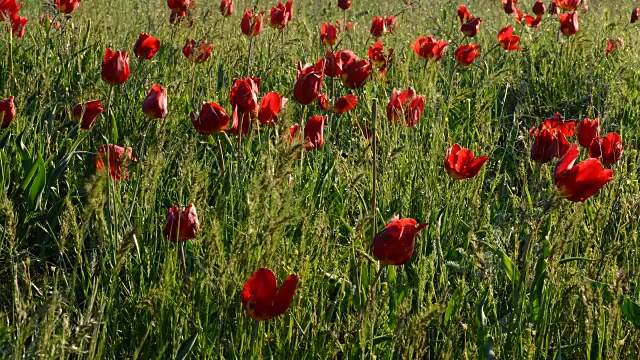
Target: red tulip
261 298
291 133
607 148
465 54
226 8
579 182
355 73
18 25
394 245
569 24
635 14
463 14
568 5
539 8
87 113
177 6
377 27
333 64
323 102
67 6
244 95
313 133
280 15
115 67
429 48
155 104
614 45
471 28
8 111
240 122
390 24
119 157
509 6
518 16
461 164
558 123
328 34
553 8
378 57
197 51
507 40
182 224
548 144
344 4
406 105
344 104
251 24
146 46
532 22
587 131
9 9
270 107
309 82
211 120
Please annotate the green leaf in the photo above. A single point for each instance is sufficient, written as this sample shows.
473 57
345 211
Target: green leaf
38 183
453 305
512 271
630 310
186 347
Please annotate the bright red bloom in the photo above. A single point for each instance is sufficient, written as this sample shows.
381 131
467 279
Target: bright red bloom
280 15
344 4
509 6
8 111
569 24
323 102
328 34
314 133
608 148
635 14
461 164
344 104
115 67
406 105
226 8
507 40
155 104
355 73
261 298
197 51
87 113
579 182
182 224
309 82
146 46
553 8
558 123
429 48
394 245
18 25
67 6
463 14
587 131
177 6
531 21
212 119
377 27
9 9
538 8
471 28
251 24
568 5
465 54
270 107
390 24
244 95
333 64
119 157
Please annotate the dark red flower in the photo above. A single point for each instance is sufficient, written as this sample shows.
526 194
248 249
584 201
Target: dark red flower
67 6
394 245
553 8
18 25
251 24
212 119
226 8
280 15
509 6
406 105
579 182
507 40
87 113
587 131
240 122
115 67
119 158
9 9
328 34
569 24
472 27
531 21
465 54
390 24
177 6
607 148
309 82
377 27
323 102
146 46
558 123
463 14
333 64
461 164
182 224
344 104
261 298
568 5
8 111
197 51
244 95
538 8
314 132
429 48
270 107
155 104
344 4
355 73
635 14
547 145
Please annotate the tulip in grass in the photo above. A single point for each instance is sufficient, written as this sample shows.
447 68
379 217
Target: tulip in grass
355 73
261 298
244 95
177 6
8 111
67 6
197 51
212 119
308 85
240 122
314 133
509 6
471 28
548 144
463 14
377 27
587 131
377 57
9 9
251 24
115 67
569 24
344 104
635 14
466 54
328 34
333 64
323 102
460 163
280 15
395 244
390 24
155 104
430 48
271 105
18 25
607 148
344 4
118 158
507 40
579 182
614 45
539 8
568 5
553 8
531 21
87 113
182 224
226 8
146 46
405 105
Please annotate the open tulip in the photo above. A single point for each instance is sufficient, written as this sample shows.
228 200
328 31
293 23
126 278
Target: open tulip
67 6
607 148
568 5
115 67
314 132
177 6
328 34
395 244
471 28
531 21
18 25
197 51
87 113
244 95
8 111
465 54
344 4
119 158
429 48
309 82
635 14
355 73
251 24
460 163
463 14
378 57
558 123
507 40
569 24
9 9
280 15
344 104
182 224
587 131
405 105
580 182
146 46
270 107
261 298
155 104
538 8
211 120
226 8
377 27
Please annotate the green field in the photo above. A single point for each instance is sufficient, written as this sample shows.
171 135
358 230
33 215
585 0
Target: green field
506 269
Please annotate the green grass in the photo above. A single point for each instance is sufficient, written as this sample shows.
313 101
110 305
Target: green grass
506 267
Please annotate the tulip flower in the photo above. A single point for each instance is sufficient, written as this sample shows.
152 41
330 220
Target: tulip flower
553 8
244 95
333 64
390 24
118 157
87 113
197 51
531 21
226 8
251 24
509 6
507 40
155 104
67 6
328 34
548 144
463 14
406 105
569 24
394 245
18 25
261 298
309 82
177 6
240 122
344 4
538 8
9 9
614 45
471 28
182 224
587 131
313 133
568 5
344 104
291 133
378 57
8 111
323 102
279 16
146 46
607 148
377 27
465 54
461 164
429 48
635 14
558 123
579 182
115 67
355 73
270 107
211 120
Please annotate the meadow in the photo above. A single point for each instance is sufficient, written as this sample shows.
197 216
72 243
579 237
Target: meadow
507 268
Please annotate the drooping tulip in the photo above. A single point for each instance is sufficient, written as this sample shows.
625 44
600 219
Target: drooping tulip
355 73
314 132
211 120
146 46
87 113
579 182
119 158
538 8
607 148
271 105
261 298
251 24
569 24
197 51
181 224
429 48
465 54
226 8
8 111
405 105
587 131
115 67
344 104
67 6
395 244
568 5
377 27
471 28
460 163
244 95
309 82
155 104
328 34
463 14
344 4
507 40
